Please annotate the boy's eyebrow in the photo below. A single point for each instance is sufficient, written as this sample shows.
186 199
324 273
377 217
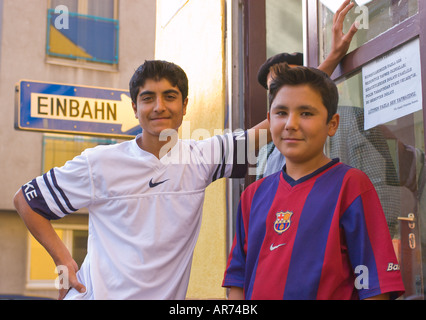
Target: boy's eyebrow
279 106
302 107
307 107
171 91
148 92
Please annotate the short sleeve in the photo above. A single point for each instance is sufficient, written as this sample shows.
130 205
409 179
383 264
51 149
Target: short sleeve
61 191
370 246
236 266
224 155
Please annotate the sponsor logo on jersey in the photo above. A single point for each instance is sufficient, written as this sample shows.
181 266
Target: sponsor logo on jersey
272 247
30 191
156 184
283 221
392 267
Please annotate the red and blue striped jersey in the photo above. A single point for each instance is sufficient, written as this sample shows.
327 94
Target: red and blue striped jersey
323 236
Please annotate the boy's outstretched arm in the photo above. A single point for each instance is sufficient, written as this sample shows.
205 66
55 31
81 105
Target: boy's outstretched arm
43 232
340 41
259 134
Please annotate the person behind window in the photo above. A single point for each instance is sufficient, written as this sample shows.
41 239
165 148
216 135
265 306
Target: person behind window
271 160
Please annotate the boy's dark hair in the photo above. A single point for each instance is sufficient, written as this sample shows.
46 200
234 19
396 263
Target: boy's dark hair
283 75
157 70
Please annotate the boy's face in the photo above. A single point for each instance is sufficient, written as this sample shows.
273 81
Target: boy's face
298 123
159 106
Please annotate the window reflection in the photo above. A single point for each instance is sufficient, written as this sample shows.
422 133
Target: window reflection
284 26
393 156
375 17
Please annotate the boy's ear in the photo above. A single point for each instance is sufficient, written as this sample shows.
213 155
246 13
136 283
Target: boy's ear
333 125
185 104
135 108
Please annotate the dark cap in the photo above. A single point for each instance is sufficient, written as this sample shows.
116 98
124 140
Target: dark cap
291 58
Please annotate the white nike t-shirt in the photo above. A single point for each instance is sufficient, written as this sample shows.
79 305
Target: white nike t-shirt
144 213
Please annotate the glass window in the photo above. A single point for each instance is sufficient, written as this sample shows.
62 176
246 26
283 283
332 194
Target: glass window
79 245
284 26
393 157
72 5
284 33
375 17
58 149
83 30
41 264
101 8
41 273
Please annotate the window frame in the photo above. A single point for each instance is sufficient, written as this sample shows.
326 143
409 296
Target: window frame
45 284
398 35
255 41
80 62
411 28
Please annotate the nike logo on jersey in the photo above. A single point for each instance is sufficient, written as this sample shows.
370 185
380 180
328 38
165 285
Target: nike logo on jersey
272 248
156 184
30 191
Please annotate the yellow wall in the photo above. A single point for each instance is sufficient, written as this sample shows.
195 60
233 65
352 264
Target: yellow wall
194 39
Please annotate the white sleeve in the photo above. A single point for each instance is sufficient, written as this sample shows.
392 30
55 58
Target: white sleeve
225 155
61 191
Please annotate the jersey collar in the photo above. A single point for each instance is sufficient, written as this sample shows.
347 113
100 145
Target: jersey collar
293 182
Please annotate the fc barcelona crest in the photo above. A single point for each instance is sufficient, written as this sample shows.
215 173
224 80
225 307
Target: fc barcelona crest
283 221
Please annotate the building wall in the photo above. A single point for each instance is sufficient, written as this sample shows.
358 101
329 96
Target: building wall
22 56
191 34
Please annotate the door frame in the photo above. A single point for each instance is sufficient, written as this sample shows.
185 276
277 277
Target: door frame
254 51
414 26
411 28
254 20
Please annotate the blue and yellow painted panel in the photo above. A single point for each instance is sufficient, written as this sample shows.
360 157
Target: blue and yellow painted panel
84 37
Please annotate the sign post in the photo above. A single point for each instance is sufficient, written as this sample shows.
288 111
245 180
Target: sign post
59 108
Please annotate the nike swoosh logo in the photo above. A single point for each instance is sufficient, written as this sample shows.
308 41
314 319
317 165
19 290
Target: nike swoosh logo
156 184
272 248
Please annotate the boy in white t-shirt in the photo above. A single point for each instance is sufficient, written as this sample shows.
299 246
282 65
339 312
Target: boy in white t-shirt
144 197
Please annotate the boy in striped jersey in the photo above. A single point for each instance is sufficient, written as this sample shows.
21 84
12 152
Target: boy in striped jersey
316 229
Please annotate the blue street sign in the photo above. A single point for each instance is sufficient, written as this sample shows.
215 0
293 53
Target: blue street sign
59 108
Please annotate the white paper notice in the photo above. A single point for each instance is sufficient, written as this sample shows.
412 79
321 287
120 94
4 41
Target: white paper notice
392 85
